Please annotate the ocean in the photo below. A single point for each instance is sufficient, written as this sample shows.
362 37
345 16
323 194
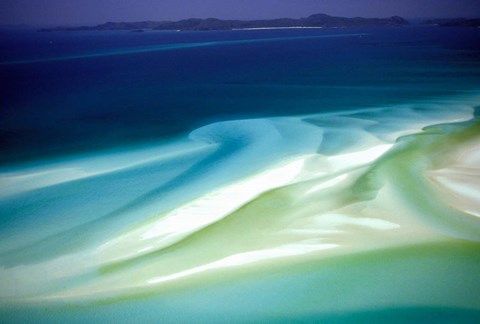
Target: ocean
310 175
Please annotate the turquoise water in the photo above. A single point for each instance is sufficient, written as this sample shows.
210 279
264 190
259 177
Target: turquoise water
326 175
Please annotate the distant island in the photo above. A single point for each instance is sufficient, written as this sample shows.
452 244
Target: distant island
196 24
455 22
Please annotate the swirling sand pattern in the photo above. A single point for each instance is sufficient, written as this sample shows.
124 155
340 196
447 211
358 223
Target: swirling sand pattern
241 211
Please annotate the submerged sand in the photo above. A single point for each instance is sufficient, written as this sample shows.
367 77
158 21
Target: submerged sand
240 197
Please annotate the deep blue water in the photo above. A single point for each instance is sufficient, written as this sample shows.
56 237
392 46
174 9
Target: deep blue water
66 92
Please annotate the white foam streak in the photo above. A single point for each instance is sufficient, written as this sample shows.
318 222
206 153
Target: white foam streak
216 205
460 180
327 184
17 181
361 157
335 220
245 258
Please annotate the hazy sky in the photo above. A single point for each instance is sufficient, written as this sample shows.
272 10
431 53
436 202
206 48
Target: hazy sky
74 12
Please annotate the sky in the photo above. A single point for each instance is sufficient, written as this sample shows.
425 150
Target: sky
78 12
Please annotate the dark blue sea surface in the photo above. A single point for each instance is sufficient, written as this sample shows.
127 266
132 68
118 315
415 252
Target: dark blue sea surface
69 92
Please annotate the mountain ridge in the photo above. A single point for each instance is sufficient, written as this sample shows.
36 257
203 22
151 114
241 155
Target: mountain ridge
205 24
